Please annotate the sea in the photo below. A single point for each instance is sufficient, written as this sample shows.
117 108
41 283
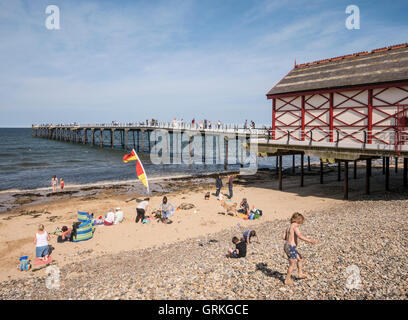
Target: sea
28 163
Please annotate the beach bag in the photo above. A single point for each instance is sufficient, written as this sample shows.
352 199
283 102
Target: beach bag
24 264
251 216
84 232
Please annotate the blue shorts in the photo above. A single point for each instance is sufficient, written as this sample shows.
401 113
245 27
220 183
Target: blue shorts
291 251
41 251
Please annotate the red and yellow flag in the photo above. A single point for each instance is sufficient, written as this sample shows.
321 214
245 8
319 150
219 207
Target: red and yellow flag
139 167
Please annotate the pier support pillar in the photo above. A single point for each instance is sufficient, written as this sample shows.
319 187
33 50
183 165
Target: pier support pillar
396 164
383 165
346 180
293 164
85 136
355 169
339 171
101 142
387 173
367 176
93 136
143 141
112 137
126 132
280 173
302 159
405 172
321 171
308 164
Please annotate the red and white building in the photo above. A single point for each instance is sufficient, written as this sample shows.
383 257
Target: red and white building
355 102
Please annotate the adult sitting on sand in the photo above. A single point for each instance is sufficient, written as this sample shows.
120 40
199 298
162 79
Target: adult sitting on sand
141 209
110 218
244 207
167 210
41 239
118 216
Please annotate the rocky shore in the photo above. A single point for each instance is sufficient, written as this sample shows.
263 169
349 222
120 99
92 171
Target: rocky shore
369 236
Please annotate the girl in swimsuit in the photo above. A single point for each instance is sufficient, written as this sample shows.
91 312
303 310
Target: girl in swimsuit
62 184
291 236
54 182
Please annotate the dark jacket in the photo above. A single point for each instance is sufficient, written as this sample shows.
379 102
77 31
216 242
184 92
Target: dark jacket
218 183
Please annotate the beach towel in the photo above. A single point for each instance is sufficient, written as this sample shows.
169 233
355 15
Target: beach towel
39 261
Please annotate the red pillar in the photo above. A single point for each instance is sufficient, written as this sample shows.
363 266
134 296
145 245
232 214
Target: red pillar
273 118
303 118
331 103
370 116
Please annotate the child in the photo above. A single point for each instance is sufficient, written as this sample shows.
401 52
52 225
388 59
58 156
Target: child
240 249
41 239
141 210
244 207
248 235
62 184
291 236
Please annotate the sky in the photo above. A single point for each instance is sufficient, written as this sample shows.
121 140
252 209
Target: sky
132 60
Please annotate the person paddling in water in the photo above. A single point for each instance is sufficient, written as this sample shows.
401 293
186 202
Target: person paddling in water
291 236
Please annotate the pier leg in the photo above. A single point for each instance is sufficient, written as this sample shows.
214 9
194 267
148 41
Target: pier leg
143 144
293 164
383 165
367 176
302 159
396 164
101 145
405 172
148 141
126 133
93 136
85 137
355 169
112 136
280 173
387 173
277 164
339 171
321 171
308 164
346 180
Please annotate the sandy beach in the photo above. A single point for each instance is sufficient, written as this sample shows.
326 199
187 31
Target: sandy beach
128 243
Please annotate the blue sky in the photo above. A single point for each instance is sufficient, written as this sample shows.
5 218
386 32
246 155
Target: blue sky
132 60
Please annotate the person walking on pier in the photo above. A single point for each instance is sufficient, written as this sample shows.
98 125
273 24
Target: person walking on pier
230 184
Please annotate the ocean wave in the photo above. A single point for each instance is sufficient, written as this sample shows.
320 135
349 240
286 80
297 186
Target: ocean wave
33 164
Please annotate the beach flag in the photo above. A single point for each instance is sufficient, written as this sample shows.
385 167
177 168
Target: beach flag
141 174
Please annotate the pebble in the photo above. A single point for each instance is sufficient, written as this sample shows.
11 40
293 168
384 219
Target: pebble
371 235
